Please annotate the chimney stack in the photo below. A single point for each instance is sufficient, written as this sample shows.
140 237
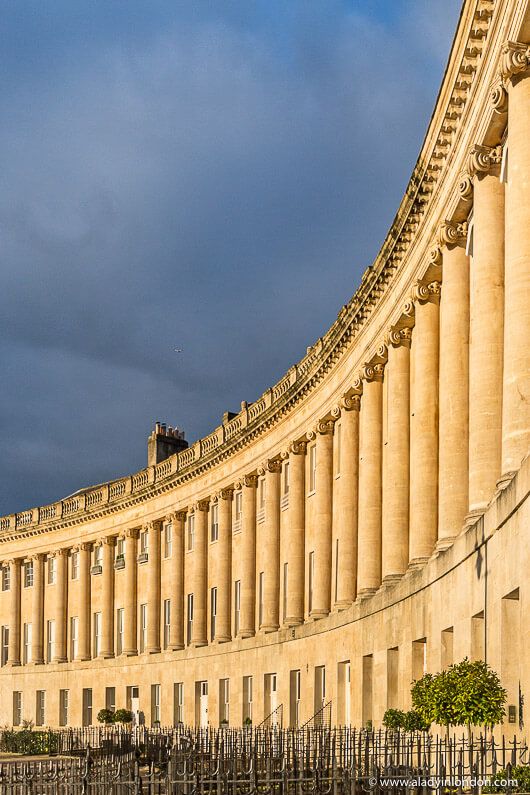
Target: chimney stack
164 441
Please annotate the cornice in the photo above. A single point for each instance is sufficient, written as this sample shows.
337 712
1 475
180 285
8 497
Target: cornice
257 418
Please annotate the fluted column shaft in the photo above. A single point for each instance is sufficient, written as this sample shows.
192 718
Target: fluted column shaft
84 602
223 629
453 386
295 551
271 538
248 558
153 588
424 425
486 339
107 600
516 382
61 603
370 481
176 630
396 461
14 612
321 602
130 630
348 495
37 610
200 575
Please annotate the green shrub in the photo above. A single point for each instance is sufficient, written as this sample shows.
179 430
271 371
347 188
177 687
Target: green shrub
394 719
123 716
28 742
520 773
414 722
106 716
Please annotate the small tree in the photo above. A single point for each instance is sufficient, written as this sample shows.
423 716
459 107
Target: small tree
413 722
466 694
123 716
394 719
106 716
479 695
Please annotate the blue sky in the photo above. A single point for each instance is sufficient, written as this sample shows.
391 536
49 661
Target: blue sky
213 176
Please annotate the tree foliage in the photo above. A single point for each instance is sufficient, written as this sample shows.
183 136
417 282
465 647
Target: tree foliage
466 694
106 716
410 721
123 716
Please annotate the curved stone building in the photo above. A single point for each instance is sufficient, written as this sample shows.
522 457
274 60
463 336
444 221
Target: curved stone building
365 520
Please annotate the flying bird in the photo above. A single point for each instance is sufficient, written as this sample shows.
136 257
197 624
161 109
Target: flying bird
177 350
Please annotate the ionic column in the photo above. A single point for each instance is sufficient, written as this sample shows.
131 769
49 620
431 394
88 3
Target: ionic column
130 607
107 601
200 575
271 536
295 552
153 588
516 383
248 557
370 481
37 610
323 519
223 624
84 645
13 655
396 463
348 496
61 602
423 509
176 630
453 469
486 327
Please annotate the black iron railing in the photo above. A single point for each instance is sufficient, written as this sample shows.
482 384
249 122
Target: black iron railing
262 761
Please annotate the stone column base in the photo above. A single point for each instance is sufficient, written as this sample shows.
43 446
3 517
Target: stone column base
316 614
343 604
416 563
505 480
444 543
366 593
390 579
293 621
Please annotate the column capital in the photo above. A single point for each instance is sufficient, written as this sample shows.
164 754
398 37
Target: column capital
298 447
250 481
42 555
452 233
324 427
131 532
271 465
176 516
499 96
424 293
226 493
399 337
107 541
351 402
484 159
202 505
372 372
515 59
62 551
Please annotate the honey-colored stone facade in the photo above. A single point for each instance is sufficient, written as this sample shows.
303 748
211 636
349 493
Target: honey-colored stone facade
366 519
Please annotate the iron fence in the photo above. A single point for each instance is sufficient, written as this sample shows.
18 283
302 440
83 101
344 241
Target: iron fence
314 760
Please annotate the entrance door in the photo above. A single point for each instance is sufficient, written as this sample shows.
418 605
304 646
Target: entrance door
201 695
271 699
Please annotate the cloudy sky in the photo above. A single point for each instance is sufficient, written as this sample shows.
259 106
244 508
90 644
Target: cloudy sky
213 176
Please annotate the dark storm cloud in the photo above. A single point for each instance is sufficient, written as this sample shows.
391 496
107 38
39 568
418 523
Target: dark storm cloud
212 176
